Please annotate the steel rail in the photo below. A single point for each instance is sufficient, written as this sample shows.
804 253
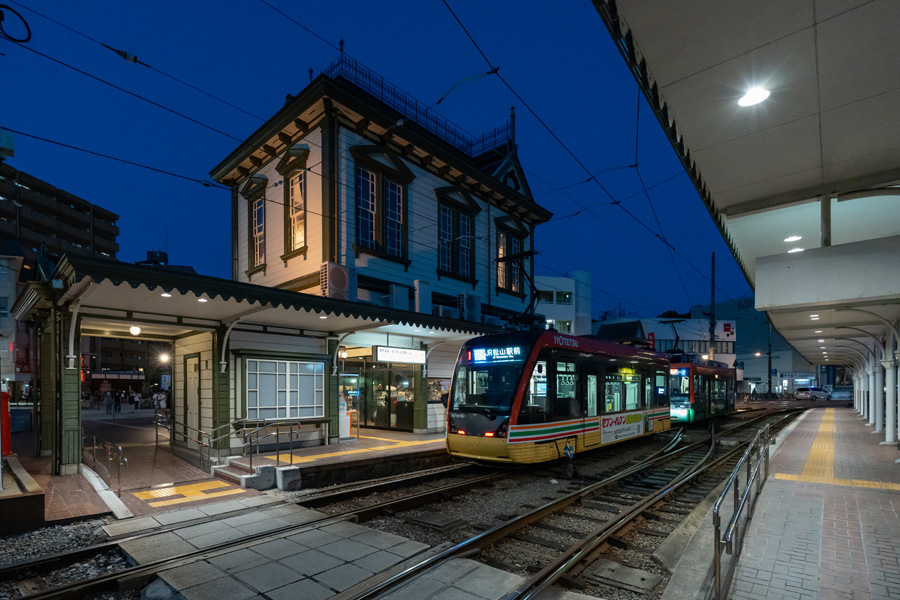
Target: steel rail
583 550
81 589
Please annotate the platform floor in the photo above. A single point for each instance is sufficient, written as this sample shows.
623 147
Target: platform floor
827 524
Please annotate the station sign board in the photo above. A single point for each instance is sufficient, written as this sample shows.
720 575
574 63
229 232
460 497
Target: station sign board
390 354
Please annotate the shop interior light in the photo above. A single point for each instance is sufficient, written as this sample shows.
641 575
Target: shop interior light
705 357
135 330
793 238
754 96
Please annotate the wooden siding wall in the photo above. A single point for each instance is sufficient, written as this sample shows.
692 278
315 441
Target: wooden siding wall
277 271
202 345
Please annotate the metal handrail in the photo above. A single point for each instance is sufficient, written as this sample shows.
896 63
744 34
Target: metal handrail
202 438
255 433
112 451
744 501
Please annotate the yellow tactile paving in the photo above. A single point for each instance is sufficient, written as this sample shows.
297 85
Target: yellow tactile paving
819 467
179 494
287 458
195 498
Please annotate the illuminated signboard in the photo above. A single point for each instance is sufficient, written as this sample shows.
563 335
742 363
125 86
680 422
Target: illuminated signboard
496 355
390 354
682 372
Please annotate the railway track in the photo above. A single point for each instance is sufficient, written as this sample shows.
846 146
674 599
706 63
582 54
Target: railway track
530 529
575 538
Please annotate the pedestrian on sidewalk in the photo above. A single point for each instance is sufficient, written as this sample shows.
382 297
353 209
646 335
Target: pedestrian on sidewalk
108 401
136 401
117 402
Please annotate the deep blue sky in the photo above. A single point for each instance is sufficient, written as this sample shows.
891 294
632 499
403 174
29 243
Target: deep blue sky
558 57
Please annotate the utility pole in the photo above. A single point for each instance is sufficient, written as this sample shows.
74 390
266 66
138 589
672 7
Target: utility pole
712 311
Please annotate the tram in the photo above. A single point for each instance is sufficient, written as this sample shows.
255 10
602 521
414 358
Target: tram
699 389
535 396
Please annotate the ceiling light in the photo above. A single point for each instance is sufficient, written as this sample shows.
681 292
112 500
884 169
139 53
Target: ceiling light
821 341
166 295
811 316
814 318
821 347
135 330
793 238
792 250
818 331
202 300
754 96
323 317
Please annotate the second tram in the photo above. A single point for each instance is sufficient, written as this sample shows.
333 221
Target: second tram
699 389
535 396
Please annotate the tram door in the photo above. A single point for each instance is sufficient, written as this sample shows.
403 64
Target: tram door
591 407
192 399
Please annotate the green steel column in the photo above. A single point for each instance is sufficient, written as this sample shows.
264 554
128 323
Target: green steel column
69 398
420 408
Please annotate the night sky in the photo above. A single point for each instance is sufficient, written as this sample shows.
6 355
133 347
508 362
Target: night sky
558 57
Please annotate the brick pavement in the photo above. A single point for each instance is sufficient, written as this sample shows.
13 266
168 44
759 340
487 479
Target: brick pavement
827 524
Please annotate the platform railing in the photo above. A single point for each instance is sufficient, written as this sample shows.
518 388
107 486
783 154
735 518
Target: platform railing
178 431
111 453
254 437
754 464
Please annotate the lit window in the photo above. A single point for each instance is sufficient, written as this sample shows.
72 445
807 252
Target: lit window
564 297
258 230
366 206
297 210
381 202
509 272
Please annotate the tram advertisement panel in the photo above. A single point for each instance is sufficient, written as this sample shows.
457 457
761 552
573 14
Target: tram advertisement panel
620 427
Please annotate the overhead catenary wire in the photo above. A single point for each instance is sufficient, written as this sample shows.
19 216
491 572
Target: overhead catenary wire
313 143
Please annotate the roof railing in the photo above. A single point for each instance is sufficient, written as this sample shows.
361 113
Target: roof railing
376 86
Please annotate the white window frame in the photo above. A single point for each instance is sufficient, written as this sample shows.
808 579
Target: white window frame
289 401
258 230
297 210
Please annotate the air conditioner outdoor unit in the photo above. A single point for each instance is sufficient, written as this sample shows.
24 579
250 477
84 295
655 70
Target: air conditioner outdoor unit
448 312
337 281
470 306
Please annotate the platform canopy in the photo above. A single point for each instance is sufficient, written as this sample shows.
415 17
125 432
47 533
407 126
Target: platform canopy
113 296
814 168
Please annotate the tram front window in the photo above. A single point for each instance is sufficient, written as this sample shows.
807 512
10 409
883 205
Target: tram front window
485 389
679 387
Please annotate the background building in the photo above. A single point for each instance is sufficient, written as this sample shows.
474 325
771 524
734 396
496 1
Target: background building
39 222
566 302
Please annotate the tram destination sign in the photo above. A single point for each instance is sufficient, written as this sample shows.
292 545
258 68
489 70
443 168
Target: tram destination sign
389 354
496 355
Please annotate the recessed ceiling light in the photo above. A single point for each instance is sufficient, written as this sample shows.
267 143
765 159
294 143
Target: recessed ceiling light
821 347
166 295
135 330
792 250
814 318
754 96
811 316
202 300
793 238
323 317
821 341
818 331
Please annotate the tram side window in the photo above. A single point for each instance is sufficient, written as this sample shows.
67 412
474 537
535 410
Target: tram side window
566 405
535 407
459 387
700 383
632 392
613 392
591 395
660 398
648 391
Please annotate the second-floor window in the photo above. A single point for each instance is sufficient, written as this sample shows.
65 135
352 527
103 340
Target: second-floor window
564 297
258 231
380 210
455 242
509 272
297 211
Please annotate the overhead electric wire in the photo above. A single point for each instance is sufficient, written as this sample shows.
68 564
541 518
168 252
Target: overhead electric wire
132 58
494 71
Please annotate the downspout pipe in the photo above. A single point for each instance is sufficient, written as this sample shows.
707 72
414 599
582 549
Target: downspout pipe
223 364
337 349
427 354
76 306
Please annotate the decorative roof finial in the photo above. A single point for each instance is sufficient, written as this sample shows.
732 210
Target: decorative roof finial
512 125
342 46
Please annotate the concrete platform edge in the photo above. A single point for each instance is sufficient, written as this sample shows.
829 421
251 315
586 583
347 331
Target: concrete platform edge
116 505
